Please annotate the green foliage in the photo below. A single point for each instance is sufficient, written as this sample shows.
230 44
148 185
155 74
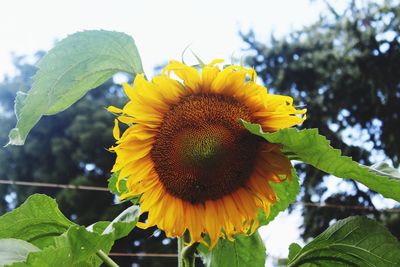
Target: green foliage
86 60
243 251
344 69
121 226
39 222
14 250
383 169
314 149
75 65
76 247
70 148
250 251
294 249
60 150
355 241
286 193
112 186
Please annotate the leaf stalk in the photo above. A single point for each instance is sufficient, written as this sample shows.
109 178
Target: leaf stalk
106 259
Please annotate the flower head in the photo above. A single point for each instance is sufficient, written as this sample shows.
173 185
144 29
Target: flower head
186 153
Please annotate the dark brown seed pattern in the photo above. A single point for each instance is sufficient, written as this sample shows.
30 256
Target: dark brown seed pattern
202 152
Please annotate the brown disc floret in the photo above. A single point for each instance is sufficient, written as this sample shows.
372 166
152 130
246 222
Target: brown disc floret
202 152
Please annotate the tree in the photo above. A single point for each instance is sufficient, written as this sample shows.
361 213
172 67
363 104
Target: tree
344 69
71 148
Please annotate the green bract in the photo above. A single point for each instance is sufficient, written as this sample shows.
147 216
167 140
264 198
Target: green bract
286 193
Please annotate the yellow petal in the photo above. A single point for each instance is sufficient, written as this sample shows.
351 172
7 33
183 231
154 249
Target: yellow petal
207 78
114 109
215 61
116 131
170 90
128 89
189 75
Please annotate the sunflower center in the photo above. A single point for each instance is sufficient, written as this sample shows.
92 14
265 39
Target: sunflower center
203 147
202 152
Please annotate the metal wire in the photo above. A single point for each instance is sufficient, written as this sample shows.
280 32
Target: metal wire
153 255
171 255
105 189
52 185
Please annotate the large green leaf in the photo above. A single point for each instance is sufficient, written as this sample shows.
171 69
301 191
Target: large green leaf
355 241
314 149
76 247
38 220
14 250
286 193
79 246
244 251
78 63
121 226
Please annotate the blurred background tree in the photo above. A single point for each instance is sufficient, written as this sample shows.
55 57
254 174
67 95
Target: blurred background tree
71 148
345 69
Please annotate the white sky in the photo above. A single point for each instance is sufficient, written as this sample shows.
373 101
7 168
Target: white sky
162 29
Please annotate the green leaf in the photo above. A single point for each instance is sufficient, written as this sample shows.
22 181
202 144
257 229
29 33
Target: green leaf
244 251
37 221
294 249
355 241
112 186
76 247
14 250
19 102
286 193
314 149
383 169
77 64
121 226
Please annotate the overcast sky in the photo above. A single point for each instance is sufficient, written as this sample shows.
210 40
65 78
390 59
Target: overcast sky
162 29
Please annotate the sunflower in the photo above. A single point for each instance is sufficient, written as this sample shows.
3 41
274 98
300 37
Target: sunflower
186 153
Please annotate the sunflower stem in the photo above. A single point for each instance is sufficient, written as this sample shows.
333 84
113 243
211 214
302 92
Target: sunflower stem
186 254
107 260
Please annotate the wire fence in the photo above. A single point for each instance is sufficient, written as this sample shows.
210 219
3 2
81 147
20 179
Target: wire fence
153 255
105 189
52 185
172 255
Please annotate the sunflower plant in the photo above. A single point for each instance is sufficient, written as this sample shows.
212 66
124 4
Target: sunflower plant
205 155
